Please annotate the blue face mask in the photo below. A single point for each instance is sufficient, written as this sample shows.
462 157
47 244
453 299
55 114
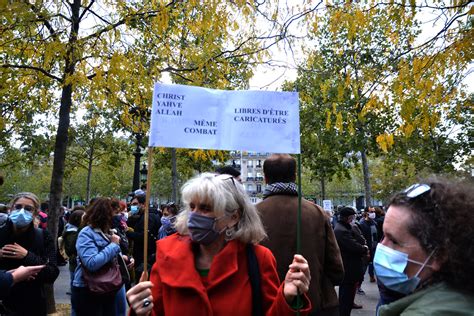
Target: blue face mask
21 218
165 221
202 228
134 209
389 265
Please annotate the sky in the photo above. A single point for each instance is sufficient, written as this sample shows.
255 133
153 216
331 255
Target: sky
272 77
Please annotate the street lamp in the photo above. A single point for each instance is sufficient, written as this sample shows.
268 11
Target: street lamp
139 118
143 174
138 154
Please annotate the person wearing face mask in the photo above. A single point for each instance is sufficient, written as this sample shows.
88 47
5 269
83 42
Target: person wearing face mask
168 220
427 253
214 265
21 244
353 251
136 221
369 230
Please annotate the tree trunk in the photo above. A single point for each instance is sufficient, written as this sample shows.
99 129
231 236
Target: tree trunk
174 175
323 189
365 169
61 142
89 174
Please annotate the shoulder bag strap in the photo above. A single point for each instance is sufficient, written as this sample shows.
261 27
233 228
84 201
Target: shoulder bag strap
38 242
255 281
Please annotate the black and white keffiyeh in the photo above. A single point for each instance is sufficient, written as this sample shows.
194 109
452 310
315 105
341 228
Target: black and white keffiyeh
280 188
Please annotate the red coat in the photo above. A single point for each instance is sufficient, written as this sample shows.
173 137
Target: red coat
178 288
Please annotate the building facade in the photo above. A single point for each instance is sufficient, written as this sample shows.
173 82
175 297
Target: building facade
250 165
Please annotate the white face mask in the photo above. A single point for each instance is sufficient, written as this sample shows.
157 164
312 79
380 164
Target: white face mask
371 215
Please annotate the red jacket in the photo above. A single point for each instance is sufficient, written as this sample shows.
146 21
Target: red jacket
179 290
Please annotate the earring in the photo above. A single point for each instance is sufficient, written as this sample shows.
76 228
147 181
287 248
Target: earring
229 233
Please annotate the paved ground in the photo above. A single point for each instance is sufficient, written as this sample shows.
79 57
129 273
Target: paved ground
61 286
368 301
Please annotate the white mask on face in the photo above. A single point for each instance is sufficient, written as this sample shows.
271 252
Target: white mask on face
371 215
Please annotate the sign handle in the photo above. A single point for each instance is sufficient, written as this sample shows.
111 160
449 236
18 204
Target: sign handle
147 214
298 225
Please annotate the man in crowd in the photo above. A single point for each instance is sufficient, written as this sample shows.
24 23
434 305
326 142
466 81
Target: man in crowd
369 230
353 251
279 215
230 171
136 221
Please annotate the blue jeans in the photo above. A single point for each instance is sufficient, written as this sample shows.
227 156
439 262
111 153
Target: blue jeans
121 302
71 274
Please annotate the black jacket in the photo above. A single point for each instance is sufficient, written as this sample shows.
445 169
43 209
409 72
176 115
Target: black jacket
137 223
28 298
352 252
370 237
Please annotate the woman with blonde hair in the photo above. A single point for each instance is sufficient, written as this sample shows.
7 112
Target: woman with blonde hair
214 265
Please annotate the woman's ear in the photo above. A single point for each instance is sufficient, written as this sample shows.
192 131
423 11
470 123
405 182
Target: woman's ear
234 219
437 262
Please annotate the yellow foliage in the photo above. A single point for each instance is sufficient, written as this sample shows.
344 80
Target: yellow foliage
339 124
408 130
328 120
385 141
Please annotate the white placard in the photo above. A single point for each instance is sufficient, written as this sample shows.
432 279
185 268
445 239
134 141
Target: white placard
193 117
327 205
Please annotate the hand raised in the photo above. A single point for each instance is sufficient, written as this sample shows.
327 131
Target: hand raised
297 278
140 299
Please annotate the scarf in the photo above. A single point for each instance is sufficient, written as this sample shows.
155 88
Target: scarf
280 188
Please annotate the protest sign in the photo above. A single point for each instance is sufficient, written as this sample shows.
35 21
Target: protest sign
327 205
193 117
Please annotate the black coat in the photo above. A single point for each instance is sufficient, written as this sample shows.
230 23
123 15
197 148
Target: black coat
370 237
6 281
138 223
352 252
40 251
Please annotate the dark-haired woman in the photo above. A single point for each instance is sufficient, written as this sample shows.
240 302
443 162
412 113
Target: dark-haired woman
168 220
71 231
24 245
425 258
96 246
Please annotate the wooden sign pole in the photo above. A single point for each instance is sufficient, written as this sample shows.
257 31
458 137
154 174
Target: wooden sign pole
147 215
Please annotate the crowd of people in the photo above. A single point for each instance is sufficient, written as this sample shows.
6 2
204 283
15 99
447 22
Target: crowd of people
217 253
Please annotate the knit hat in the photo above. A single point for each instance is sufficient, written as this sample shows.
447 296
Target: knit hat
346 211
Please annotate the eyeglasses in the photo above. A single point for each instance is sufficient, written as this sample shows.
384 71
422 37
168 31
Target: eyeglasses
225 177
416 190
28 208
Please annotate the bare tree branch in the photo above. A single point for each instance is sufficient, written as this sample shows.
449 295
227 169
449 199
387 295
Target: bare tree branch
41 70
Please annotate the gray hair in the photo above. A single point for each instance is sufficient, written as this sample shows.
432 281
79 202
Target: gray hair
27 195
225 196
